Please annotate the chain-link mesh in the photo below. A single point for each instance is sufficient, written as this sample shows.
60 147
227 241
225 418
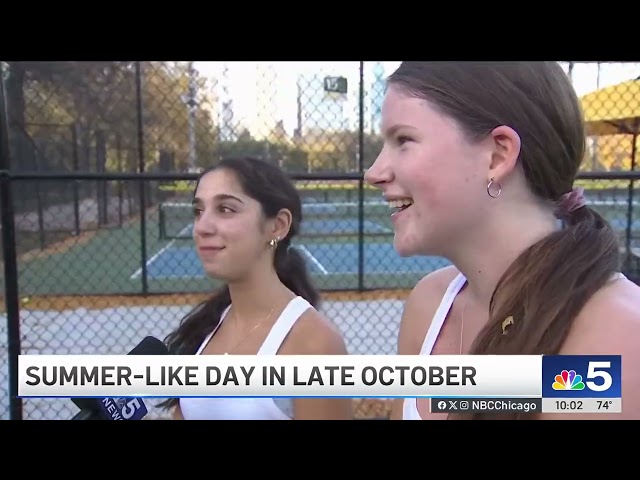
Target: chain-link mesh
103 263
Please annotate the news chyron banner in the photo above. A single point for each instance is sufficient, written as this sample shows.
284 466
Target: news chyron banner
454 383
568 384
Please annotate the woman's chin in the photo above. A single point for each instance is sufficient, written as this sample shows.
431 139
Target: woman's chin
408 246
403 247
214 272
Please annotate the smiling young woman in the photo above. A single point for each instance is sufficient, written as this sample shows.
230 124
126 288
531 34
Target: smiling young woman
478 163
246 213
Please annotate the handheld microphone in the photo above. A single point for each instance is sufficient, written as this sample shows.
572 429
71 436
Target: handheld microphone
120 408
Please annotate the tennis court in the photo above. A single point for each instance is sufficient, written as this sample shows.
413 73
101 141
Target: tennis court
322 259
320 219
329 242
111 261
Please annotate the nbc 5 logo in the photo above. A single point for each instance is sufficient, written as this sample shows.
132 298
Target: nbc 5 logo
599 370
128 406
570 380
577 373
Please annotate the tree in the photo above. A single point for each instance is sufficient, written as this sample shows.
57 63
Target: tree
48 97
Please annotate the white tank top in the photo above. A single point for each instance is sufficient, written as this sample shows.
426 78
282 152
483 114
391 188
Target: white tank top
249 408
409 406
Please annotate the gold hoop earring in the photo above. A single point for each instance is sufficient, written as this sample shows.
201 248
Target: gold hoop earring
494 195
273 242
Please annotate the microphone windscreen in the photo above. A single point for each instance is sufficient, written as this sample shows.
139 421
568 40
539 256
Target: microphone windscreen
150 346
84 403
133 410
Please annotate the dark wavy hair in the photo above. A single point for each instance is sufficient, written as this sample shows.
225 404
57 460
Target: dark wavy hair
272 188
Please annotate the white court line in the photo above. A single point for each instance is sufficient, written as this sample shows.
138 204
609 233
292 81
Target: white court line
315 261
138 272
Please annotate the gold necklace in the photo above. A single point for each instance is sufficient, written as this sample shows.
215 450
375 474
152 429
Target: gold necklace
251 330
462 326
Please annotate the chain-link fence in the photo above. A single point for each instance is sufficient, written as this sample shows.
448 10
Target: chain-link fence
96 213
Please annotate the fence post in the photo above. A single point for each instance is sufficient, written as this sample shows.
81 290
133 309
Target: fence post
76 184
143 208
120 188
361 181
629 254
12 299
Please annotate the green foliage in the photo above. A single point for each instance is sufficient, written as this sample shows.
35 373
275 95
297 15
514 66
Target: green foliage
62 109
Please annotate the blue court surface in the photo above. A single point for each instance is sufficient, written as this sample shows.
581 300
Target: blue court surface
318 227
346 226
322 259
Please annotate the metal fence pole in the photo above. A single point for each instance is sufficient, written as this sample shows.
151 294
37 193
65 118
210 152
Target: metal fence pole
361 181
76 185
143 184
11 299
630 200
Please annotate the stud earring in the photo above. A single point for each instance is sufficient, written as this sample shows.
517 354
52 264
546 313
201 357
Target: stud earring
273 242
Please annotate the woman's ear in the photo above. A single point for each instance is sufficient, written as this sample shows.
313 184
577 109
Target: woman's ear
506 151
281 224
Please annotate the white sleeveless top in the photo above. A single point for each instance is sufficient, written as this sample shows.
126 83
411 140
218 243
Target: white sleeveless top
409 407
249 408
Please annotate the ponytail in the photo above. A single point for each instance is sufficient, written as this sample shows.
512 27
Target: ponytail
292 271
545 288
195 327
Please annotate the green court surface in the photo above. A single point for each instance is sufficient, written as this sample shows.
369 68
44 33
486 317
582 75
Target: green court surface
110 261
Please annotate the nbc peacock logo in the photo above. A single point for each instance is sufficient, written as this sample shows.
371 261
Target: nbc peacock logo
568 380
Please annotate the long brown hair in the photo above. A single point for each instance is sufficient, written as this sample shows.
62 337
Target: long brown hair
549 283
272 188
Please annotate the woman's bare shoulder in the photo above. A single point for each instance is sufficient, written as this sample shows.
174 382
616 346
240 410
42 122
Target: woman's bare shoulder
315 334
420 307
610 319
609 324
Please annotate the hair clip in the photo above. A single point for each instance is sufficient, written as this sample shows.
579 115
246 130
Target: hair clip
508 321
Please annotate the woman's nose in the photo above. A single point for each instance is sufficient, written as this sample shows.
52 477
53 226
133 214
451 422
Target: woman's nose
203 226
378 173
